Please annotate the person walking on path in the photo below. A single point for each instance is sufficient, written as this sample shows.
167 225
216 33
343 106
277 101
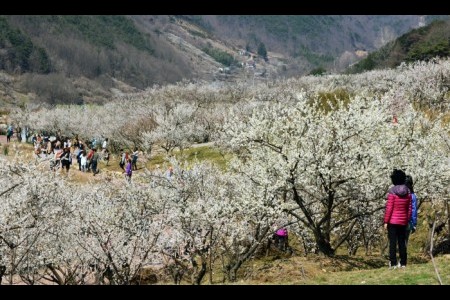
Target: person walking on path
128 171
94 162
83 161
169 173
123 159
106 156
105 144
134 157
66 159
397 214
9 133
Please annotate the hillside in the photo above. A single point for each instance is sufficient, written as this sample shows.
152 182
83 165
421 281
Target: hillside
419 44
315 40
301 43
85 58
90 59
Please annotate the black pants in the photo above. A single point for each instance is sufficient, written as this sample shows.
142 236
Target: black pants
281 242
65 164
397 236
408 233
94 167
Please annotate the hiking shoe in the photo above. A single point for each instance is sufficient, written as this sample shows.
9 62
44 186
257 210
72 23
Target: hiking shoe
393 267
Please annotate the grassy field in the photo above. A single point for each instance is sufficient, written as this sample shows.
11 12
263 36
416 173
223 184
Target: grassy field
320 270
413 274
202 153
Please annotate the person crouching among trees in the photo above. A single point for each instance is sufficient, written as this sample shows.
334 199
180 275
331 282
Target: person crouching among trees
396 217
280 238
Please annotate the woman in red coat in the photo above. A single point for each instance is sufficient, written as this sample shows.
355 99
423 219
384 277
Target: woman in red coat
396 217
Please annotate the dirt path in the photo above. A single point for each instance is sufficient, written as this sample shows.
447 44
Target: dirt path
3 139
111 173
202 145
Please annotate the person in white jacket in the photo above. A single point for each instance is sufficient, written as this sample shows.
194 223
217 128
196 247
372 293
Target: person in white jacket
83 161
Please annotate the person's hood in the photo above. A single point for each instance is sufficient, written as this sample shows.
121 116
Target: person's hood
400 190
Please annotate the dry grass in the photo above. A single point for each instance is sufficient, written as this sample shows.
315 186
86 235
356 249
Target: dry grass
340 270
413 274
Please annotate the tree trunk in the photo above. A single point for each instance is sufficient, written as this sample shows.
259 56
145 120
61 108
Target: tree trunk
231 270
2 272
201 273
232 274
210 253
448 218
324 245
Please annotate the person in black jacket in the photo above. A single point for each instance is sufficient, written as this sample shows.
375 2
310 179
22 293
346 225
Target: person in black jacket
66 159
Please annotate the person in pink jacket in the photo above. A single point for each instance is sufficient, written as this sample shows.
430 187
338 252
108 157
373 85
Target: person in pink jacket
280 238
396 217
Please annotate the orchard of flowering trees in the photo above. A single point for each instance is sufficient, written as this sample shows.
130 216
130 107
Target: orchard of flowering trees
332 169
313 153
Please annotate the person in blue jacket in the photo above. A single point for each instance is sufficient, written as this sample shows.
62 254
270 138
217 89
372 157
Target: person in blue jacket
412 224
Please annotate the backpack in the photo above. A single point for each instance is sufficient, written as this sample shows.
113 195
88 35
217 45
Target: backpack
90 154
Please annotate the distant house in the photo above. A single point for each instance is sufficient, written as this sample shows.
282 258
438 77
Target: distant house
243 52
250 63
361 53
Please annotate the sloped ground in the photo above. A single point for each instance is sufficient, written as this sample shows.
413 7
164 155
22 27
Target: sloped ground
283 268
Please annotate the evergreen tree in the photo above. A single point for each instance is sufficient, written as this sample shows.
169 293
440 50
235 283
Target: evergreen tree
262 51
